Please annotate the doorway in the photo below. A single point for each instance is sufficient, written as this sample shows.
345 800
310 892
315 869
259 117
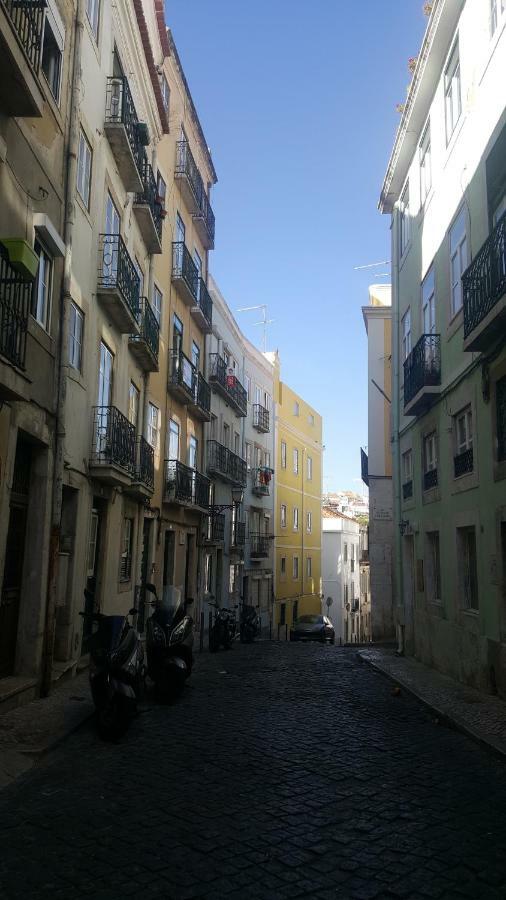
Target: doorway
10 597
146 537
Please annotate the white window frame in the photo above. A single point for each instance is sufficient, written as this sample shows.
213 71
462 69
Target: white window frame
153 426
76 336
453 91
54 21
283 515
406 333
425 158
430 451
463 430
296 518
309 521
295 568
93 16
407 466
157 304
84 167
247 384
429 302
296 408
309 474
295 461
41 309
459 259
283 454
404 221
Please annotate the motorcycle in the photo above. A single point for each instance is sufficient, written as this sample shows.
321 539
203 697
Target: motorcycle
249 624
169 642
224 628
116 670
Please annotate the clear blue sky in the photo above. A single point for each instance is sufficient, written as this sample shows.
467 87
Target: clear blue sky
297 103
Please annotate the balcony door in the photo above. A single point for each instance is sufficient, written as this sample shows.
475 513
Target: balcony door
429 318
198 265
173 440
111 230
104 396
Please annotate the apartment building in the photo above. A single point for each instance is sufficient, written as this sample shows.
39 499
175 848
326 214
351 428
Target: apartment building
377 461
341 544
445 190
297 503
37 49
240 451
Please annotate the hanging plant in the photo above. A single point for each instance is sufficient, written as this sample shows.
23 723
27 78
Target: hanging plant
412 61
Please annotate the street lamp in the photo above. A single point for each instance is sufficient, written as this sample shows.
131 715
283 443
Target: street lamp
237 498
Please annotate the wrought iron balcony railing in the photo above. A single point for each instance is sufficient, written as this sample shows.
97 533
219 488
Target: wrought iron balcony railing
430 479
222 462
204 305
202 486
117 271
205 219
146 466
186 167
261 418
185 485
228 384
27 17
184 269
14 305
113 439
259 545
202 394
182 375
149 195
149 333
407 490
484 281
237 534
463 463
262 481
422 368
215 528
120 110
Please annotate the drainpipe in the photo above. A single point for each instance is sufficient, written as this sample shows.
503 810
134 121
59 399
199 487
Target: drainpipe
62 366
398 593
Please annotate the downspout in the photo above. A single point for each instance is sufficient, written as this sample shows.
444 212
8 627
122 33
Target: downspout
398 594
62 365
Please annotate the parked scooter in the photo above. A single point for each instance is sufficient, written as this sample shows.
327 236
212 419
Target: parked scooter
224 628
169 642
116 670
250 624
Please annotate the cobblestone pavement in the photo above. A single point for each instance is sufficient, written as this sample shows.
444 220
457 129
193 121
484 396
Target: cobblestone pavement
285 771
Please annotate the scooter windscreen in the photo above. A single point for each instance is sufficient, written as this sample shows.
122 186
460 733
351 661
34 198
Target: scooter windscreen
169 605
107 635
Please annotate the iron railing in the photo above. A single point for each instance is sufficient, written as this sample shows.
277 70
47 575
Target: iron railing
202 393
422 368
430 479
15 297
407 490
185 485
229 382
187 167
262 481
184 268
222 461
207 216
484 281
259 545
201 490
146 469
182 372
260 417
237 534
215 527
116 270
27 17
149 195
113 439
120 110
204 301
149 327
500 408
463 463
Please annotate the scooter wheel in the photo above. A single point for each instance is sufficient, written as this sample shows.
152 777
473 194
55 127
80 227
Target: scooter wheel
113 720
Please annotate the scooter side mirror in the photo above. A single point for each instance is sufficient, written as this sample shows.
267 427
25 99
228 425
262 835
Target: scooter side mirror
150 587
133 612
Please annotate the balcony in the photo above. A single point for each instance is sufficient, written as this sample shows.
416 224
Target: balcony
215 529
261 418
227 385
422 375
430 479
15 294
237 536
112 447
185 274
189 177
122 129
261 485
181 383
149 211
224 464
118 284
407 490
204 222
200 405
463 463
259 545
185 486
484 292
203 311
144 346
143 484
21 32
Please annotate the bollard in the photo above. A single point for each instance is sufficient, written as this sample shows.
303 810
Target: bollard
210 625
201 645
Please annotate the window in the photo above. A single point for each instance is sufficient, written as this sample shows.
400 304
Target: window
133 404
405 221
346 598
258 395
237 440
295 610
42 287
296 518
432 567
267 401
157 303
429 449
467 566
296 408
164 84
310 419
161 189
296 567
226 435
177 334
282 613
429 303
453 102
309 567
407 466
309 522
84 169
500 410
346 552
464 430
283 515
247 385
248 456
295 461
309 469
92 11
258 457
497 10
195 355
180 231
406 334
153 425
125 570
267 459
283 454
283 565
208 573
458 259
193 447
76 327
52 51
173 439
140 273
425 164
352 560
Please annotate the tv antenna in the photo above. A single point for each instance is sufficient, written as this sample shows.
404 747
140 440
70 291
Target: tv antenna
382 262
264 321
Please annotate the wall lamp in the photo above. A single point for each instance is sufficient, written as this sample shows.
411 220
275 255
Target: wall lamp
237 498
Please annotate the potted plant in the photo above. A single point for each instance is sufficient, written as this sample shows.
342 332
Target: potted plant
22 257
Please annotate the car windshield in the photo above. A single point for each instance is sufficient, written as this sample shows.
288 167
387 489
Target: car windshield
310 620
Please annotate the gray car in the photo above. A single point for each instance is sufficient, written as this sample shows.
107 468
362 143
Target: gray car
313 628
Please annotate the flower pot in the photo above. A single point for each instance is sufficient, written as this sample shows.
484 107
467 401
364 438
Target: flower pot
22 257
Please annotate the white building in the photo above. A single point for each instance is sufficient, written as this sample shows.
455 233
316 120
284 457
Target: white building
341 574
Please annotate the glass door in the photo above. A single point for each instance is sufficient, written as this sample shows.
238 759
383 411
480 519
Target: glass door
112 230
104 397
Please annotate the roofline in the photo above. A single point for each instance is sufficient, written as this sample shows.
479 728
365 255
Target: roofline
376 312
162 27
148 53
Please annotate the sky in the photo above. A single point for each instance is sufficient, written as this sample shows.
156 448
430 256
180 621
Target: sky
298 106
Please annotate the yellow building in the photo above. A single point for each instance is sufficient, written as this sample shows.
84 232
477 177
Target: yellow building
297 504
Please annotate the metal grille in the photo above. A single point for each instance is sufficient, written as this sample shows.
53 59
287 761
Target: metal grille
463 463
203 393
113 440
146 472
430 479
484 281
150 329
184 268
222 461
260 417
207 217
187 167
500 400
182 372
230 384
238 534
120 110
185 485
205 302
116 270
259 545
215 527
27 17
14 305
149 195
422 368
201 490
407 490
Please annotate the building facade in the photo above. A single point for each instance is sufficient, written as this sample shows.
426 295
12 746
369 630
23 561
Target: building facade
341 546
445 190
377 463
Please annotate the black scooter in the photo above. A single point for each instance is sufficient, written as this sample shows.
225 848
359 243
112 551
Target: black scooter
224 628
249 624
169 643
116 670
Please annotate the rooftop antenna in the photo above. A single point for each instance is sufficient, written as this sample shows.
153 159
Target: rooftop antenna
382 262
264 322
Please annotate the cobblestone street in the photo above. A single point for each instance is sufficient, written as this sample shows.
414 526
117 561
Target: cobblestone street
285 771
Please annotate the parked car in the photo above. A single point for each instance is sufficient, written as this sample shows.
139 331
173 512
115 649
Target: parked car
313 628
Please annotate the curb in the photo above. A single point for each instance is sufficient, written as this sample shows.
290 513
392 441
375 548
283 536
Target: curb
457 724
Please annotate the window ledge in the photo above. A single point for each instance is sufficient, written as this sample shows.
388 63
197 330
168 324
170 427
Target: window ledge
40 335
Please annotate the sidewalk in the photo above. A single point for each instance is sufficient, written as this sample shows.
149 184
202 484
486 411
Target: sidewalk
29 731
480 716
